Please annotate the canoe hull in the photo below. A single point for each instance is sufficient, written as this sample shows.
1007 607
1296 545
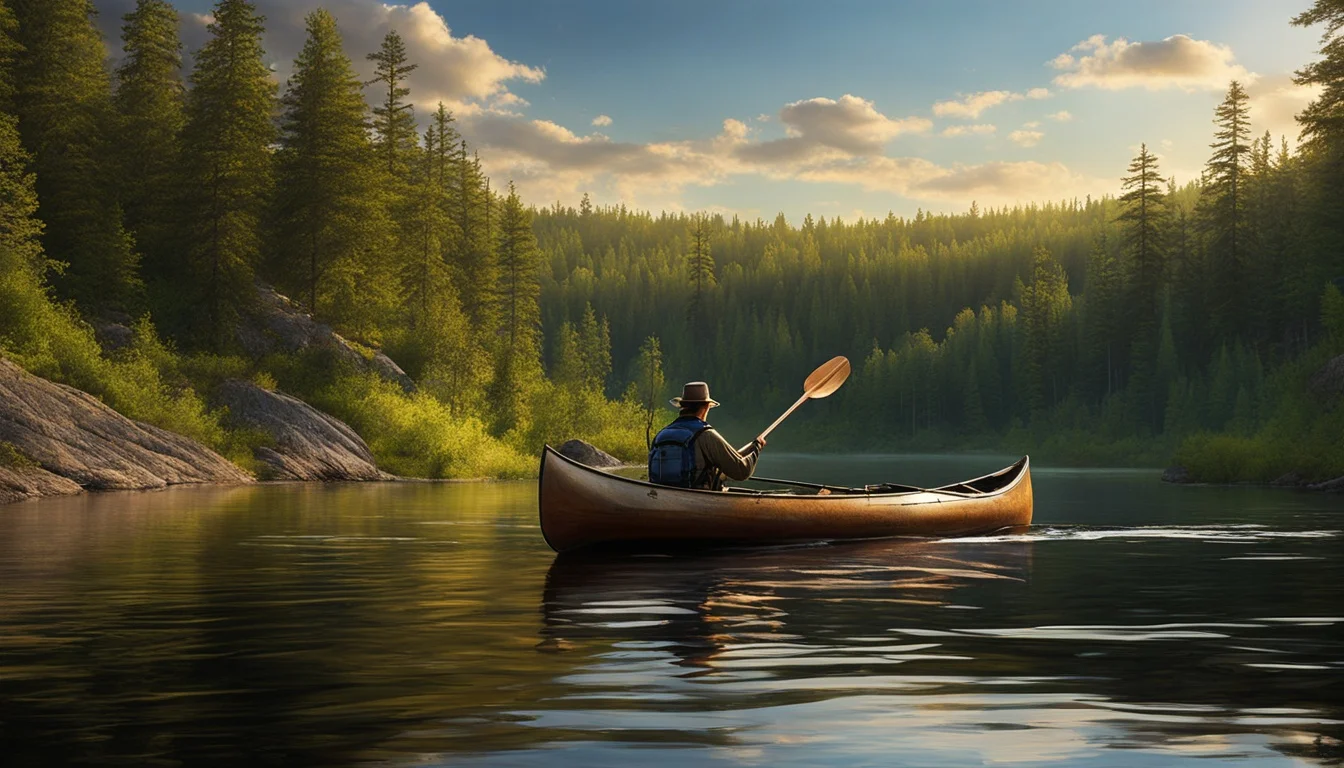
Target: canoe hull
581 507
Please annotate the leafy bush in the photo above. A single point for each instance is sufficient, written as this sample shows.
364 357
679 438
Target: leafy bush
560 414
417 435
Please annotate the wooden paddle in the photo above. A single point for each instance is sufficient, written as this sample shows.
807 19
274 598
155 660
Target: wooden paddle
825 380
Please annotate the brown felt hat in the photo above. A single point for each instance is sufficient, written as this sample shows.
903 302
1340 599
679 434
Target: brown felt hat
694 393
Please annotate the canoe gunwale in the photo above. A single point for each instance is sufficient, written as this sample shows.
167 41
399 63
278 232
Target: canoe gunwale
1012 474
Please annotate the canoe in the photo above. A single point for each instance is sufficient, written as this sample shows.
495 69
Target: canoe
582 507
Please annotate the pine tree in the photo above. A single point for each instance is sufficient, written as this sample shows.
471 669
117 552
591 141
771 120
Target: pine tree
700 271
647 384
63 100
1223 214
477 267
394 117
595 349
331 228
1104 319
1044 303
1323 124
226 151
1143 222
149 98
519 284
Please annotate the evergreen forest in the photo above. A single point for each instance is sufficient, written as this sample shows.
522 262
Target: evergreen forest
1187 321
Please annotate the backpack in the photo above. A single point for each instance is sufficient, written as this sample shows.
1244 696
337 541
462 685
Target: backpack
672 455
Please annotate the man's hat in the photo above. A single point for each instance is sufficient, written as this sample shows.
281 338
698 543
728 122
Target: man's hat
694 393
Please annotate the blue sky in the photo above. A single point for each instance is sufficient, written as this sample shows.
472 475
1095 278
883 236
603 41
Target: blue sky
830 108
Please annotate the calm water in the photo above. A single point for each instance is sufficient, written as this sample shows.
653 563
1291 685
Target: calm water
424 624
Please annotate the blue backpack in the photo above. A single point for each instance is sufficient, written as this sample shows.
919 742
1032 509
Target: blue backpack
672 456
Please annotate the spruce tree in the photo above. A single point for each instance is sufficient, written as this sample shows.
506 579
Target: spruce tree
226 160
700 272
476 265
519 279
1223 214
1323 125
1143 222
394 117
63 99
149 98
331 231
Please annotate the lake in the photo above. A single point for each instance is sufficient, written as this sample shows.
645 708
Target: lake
1135 624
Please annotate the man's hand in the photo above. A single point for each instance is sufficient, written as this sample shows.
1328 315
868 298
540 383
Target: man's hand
759 443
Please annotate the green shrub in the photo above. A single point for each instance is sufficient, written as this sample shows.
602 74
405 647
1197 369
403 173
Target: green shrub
417 435
1214 458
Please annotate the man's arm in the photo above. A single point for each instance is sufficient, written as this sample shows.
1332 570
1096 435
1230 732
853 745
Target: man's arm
734 465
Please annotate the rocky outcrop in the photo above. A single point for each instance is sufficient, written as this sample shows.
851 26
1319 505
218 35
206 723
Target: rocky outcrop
69 434
309 444
589 454
277 325
1329 486
19 483
1176 475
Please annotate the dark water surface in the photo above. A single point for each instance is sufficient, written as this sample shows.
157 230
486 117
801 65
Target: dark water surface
1136 624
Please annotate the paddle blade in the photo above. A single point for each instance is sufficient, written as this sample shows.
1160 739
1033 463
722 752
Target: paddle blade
827 378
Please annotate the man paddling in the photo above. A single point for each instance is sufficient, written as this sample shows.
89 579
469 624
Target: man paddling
689 453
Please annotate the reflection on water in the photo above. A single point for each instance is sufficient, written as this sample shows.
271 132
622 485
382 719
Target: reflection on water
399 624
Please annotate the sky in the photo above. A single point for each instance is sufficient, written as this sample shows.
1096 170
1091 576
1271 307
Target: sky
850 108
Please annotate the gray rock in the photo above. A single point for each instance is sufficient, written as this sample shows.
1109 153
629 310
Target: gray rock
73 435
112 336
1328 383
589 454
18 483
1330 486
1290 480
1176 475
275 324
309 444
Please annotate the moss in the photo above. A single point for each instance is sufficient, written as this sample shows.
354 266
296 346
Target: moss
12 458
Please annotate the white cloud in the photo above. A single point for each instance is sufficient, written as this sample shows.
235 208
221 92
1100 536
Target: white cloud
847 126
463 72
1062 116
1274 103
1176 62
1032 124
969 130
601 121
970 107
1025 138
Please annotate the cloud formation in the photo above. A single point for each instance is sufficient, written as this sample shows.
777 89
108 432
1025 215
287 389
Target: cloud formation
849 126
835 140
1178 61
1274 103
1062 116
970 107
969 130
463 72
1026 138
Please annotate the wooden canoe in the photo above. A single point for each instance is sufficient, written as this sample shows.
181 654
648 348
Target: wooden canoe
581 506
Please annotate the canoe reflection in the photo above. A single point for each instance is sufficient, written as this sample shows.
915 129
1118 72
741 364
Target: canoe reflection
696 605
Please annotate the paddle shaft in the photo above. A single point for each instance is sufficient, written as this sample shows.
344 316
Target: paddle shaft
784 416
